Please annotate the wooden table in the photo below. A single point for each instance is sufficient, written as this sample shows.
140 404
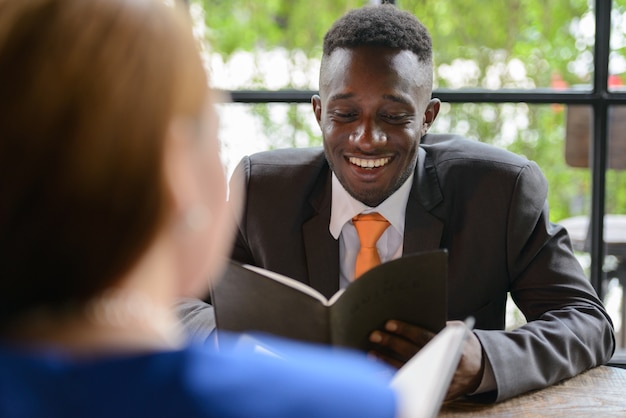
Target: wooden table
596 393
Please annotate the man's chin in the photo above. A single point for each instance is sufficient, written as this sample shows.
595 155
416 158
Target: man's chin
369 198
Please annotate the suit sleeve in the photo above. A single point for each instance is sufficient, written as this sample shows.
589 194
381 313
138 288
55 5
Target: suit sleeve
567 330
197 318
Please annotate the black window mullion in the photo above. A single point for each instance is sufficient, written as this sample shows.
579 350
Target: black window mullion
598 146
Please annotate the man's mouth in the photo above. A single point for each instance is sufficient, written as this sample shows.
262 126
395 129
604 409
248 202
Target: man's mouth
369 163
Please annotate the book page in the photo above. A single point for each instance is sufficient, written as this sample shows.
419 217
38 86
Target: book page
288 281
422 383
334 298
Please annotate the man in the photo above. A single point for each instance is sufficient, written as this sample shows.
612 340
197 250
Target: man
485 205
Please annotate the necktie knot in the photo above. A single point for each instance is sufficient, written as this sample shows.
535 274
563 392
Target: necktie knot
370 228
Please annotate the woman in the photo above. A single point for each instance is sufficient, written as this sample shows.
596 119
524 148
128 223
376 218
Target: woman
114 206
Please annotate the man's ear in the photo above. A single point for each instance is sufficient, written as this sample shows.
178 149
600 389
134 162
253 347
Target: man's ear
316 102
430 114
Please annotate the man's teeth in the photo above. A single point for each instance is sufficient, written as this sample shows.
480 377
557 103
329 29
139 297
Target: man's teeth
369 163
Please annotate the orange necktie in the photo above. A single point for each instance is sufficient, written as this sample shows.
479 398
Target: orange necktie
369 227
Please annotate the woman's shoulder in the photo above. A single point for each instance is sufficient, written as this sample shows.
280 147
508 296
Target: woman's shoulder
195 381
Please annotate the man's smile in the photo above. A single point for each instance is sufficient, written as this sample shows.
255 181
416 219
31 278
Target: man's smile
369 163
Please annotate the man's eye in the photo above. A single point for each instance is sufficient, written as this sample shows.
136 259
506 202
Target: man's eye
396 117
344 115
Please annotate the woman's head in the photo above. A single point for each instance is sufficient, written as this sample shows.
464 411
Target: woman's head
89 92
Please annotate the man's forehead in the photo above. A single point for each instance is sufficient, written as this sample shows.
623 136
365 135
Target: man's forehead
367 50
366 58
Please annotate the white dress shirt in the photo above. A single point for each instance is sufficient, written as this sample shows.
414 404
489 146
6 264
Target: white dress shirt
344 207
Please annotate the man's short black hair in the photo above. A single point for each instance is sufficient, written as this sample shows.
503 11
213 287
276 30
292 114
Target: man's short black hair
380 25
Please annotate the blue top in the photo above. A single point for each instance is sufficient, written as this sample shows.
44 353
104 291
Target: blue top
196 381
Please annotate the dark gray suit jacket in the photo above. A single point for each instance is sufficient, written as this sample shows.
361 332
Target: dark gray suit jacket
485 205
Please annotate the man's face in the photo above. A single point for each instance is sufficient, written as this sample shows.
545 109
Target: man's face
373 108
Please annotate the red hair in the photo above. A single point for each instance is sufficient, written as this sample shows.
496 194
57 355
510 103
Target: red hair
87 91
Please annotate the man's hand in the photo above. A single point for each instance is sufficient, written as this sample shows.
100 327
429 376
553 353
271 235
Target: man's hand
399 341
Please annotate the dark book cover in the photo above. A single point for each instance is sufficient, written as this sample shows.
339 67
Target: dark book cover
410 289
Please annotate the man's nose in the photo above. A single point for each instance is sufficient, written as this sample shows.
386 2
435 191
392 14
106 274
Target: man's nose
368 134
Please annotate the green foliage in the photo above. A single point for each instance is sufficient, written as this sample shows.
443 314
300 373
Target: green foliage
248 24
496 44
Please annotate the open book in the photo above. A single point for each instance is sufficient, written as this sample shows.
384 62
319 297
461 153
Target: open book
410 289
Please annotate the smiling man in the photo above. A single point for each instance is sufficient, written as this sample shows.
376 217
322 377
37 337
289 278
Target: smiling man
485 205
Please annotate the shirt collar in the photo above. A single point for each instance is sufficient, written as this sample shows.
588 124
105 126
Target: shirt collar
344 207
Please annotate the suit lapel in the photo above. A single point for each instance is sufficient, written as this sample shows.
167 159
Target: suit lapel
322 250
422 230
